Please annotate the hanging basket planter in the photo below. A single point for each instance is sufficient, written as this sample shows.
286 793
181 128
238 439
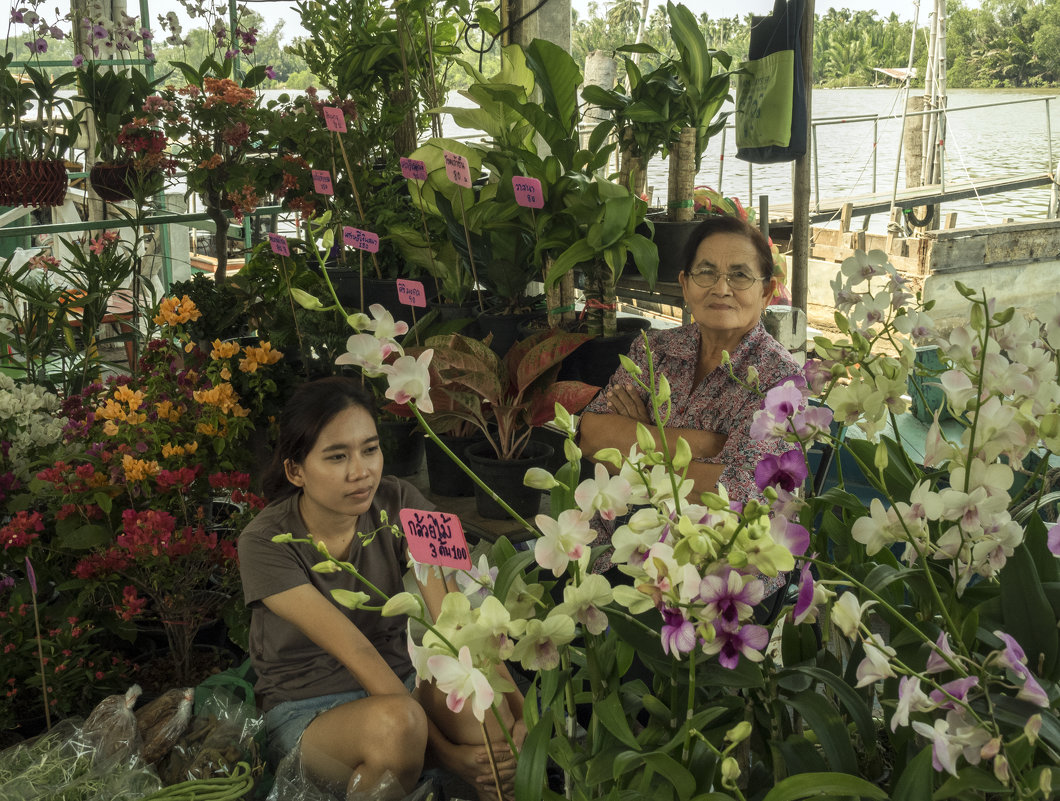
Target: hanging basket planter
114 181
32 183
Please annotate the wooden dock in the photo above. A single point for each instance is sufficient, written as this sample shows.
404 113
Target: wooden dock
782 215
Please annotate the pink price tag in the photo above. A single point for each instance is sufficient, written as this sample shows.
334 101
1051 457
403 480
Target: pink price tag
322 182
334 119
278 243
528 192
411 292
414 169
435 538
362 240
457 169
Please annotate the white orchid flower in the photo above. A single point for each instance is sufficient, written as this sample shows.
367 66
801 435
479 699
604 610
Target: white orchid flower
461 681
562 540
383 324
408 379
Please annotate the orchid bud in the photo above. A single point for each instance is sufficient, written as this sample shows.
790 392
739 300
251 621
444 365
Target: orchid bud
358 321
609 455
573 453
326 567
730 772
564 420
880 459
539 478
645 440
738 733
682 454
662 394
630 366
350 599
1032 727
404 603
305 300
1049 431
281 538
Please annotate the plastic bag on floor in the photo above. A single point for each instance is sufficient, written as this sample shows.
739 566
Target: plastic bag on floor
218 738
293 784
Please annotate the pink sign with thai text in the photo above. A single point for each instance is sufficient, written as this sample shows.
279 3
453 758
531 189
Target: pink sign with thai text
435 538
411 292
457 169
528 192
278 243
322 182
334 119
362 240
414 169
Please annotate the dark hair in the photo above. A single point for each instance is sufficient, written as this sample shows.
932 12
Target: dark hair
312 406
726 224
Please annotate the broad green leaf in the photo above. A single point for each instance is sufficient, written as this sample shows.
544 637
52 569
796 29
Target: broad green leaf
87 536
916 780
829 729
970 778
854 703
674 772
1027 614
816 785
610 713
533 759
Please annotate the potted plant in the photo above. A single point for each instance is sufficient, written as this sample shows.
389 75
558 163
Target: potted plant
33 152
504 398
674 110
130 151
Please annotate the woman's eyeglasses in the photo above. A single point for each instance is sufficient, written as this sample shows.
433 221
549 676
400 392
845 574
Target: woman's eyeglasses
737 280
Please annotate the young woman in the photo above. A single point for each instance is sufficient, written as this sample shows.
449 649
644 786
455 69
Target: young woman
335 681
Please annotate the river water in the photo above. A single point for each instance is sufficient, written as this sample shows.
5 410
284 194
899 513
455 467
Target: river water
981 143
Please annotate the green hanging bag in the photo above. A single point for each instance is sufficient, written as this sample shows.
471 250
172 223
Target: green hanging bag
763 100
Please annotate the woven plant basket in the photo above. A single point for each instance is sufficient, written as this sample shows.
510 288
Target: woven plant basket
32 183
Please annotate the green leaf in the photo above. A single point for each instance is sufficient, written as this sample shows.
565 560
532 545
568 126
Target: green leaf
854 703
831 733
558 78
578 253
970 779
1037 541
85 537
916 780
1026 611
533 759
816 785
674 772
613 716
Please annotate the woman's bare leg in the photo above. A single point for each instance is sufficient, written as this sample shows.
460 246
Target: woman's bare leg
353 746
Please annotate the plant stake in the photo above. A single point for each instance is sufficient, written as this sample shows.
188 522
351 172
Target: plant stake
40 644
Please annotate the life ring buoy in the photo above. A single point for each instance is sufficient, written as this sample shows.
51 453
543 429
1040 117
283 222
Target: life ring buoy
917 222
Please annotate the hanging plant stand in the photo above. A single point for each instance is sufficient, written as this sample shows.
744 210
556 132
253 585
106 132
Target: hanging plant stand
32 183
114 181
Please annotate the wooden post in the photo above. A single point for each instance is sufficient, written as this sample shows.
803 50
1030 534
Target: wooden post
845 213
800 231
951 221
914 141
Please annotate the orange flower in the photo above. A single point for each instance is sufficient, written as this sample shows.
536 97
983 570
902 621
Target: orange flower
110 428
111 410
138 469
223 350
263 354
175 311
167 411
223 396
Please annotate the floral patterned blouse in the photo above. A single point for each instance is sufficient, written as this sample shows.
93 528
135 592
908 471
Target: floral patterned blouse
719 403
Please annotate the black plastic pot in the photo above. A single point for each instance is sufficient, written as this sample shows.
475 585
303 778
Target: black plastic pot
596 360
443 475
505 477
402 444
505 327
465 313
670 238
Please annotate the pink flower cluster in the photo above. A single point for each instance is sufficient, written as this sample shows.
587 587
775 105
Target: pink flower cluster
22 530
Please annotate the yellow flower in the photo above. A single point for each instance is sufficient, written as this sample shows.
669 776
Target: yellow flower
223 350
111 410
171 450
167 411
175 311
138 469
226 374
223 396
263 354
206 429
191 447
110 428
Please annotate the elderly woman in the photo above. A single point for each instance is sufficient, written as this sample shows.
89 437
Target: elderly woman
727 282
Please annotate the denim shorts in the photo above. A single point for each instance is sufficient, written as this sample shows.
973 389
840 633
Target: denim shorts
286 721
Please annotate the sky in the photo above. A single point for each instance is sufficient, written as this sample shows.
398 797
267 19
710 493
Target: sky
274 10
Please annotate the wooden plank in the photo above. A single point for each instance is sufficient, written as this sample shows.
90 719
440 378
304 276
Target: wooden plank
829 210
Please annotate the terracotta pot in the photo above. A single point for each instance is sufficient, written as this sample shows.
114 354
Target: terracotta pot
32 183
120 180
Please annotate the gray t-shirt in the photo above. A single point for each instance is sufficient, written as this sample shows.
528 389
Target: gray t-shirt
288 664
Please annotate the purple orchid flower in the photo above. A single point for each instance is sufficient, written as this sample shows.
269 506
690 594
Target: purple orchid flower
678 633
728 599
958 688
786 471
747 641
1053 539
804 605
